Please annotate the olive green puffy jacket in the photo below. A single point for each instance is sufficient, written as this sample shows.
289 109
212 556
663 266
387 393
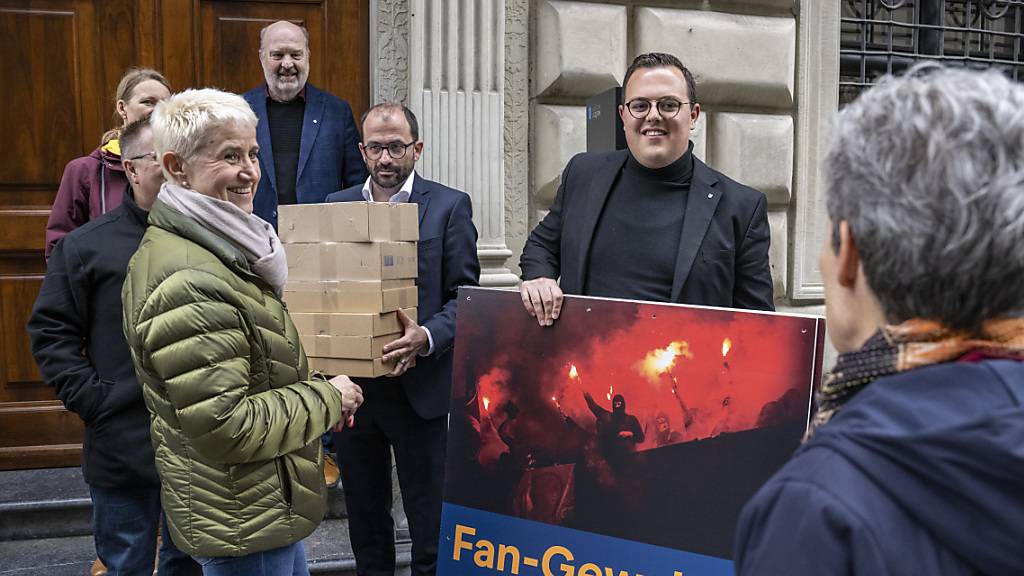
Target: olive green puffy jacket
236 418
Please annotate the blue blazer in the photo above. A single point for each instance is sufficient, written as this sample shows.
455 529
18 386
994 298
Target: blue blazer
447 259
329 156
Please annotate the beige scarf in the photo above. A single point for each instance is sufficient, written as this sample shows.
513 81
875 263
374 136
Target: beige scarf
252 235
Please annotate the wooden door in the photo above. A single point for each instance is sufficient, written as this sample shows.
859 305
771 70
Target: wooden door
61 61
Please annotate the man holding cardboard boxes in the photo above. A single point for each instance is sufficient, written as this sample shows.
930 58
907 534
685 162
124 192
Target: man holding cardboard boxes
367 252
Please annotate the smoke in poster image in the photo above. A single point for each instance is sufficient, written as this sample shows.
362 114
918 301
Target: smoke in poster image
642 421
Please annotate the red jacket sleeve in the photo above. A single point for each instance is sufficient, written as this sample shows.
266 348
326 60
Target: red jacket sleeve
71 206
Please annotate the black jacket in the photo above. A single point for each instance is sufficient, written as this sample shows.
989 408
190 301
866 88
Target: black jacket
723 251
79 345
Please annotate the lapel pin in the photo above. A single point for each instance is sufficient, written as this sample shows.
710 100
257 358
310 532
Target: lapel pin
711 195
314 121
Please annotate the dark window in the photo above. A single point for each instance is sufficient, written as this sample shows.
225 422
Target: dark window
880 37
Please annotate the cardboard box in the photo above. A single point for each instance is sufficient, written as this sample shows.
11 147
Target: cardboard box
350 367
351 261
349 323
361 347
334 296
348 222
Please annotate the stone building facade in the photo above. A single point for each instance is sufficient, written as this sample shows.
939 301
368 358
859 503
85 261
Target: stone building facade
500 87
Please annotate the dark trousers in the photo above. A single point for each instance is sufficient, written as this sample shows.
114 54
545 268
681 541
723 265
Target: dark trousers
384 422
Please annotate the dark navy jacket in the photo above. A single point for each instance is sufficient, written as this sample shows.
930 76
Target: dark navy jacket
920 473
447 259
329 156
79 345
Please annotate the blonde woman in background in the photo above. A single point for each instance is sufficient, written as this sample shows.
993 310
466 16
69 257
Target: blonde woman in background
93 185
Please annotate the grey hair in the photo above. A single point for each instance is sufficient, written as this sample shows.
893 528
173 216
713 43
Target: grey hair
183 122
928 171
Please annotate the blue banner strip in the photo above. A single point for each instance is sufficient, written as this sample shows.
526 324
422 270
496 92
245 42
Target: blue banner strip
474 542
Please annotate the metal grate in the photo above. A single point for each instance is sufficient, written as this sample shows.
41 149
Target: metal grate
880 37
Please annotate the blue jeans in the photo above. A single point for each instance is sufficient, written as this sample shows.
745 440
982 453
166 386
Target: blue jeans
286 561
124 524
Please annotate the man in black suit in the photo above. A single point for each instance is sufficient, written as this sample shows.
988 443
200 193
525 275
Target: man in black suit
407 411
652 222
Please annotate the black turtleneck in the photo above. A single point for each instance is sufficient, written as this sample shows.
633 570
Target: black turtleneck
285 122
636 241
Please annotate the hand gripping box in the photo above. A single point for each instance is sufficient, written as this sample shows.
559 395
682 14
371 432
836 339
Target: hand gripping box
349 323
348 222
351 261
374 296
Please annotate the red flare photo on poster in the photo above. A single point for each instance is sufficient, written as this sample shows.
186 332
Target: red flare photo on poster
648 422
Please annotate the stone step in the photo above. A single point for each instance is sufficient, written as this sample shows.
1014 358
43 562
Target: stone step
327 552
45 519
69 556
49 503
46 528
54 503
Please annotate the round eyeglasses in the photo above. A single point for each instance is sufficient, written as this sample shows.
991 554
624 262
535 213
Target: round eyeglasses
639 108
395 149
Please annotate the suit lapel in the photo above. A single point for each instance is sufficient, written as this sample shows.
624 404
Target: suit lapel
700 207
312 118
420 195
259 106
597 195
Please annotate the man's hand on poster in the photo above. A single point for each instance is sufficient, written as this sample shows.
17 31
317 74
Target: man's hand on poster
542 298
404 350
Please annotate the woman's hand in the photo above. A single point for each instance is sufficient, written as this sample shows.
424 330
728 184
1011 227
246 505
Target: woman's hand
351 398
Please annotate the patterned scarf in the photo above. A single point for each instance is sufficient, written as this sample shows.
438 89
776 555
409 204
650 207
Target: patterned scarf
913 344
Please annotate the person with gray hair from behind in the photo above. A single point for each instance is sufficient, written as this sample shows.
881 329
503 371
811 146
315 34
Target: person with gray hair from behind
915 458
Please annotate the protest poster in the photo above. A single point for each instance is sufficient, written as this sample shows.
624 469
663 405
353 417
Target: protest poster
623 440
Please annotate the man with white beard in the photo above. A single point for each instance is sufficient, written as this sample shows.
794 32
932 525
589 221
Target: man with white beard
309 144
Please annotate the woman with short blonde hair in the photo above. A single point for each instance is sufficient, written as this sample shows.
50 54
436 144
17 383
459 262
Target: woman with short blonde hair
236 414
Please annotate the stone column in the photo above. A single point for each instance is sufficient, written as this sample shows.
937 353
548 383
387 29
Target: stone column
517 127
389 47
457 89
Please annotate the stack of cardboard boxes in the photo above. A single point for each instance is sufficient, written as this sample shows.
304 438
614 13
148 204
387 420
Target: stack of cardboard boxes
351 266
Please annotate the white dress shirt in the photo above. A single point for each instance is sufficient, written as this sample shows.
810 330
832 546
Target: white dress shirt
399 197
